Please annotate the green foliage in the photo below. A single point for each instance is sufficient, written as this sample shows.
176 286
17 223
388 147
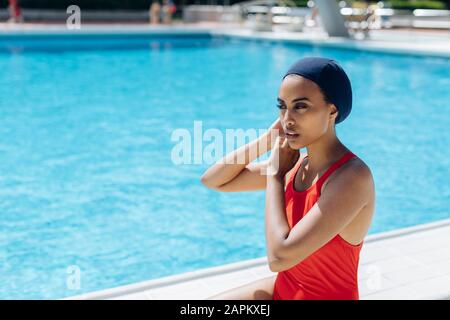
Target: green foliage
417 4
300 3
409 4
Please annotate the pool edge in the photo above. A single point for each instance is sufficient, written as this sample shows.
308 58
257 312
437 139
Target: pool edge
409 48
237 266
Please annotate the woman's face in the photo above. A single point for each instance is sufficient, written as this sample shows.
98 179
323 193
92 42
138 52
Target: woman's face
303 110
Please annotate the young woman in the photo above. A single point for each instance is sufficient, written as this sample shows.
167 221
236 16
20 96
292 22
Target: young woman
319 206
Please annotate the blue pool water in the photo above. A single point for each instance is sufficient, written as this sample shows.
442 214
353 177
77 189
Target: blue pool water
86 177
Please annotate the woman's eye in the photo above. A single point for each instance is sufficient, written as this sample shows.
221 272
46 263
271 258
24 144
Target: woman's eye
301 106
279 106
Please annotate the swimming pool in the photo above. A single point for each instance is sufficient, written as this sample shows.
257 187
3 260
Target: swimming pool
86 173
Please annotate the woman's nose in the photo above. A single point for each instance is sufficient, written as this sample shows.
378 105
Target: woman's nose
288 119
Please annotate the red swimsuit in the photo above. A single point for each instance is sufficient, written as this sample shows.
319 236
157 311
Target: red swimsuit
331 272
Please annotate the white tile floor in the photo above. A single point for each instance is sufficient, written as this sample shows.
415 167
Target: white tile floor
411 263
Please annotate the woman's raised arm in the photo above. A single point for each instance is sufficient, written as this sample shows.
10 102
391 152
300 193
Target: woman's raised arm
230 175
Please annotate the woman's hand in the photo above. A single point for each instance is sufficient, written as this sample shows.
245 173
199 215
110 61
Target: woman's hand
282 159
275 130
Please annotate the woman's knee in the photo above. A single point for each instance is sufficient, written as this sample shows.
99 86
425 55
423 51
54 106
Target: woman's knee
261 289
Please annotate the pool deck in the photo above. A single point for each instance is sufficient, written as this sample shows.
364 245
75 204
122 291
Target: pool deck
410 263
430 43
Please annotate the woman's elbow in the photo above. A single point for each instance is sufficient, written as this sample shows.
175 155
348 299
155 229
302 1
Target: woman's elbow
207 183
204 180
279 265
276 265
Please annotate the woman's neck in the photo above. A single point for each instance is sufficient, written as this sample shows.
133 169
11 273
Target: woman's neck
324 152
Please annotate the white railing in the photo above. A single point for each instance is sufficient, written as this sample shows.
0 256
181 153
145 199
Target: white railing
390 18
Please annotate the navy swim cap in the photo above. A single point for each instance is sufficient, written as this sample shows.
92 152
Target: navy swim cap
331 78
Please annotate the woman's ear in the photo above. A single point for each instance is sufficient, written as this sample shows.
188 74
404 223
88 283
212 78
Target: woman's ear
334 111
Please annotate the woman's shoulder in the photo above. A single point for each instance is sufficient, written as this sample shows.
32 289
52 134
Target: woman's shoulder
359 167
355 167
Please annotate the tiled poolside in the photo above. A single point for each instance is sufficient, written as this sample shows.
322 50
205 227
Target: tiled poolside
410 263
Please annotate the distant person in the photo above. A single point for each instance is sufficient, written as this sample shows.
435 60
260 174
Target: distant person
155 12
168 10
311 19
14 11
373 19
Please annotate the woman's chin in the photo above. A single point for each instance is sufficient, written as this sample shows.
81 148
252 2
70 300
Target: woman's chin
294 145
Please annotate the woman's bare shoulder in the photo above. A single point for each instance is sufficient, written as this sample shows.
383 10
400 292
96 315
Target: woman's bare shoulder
355 166
358 169
359 166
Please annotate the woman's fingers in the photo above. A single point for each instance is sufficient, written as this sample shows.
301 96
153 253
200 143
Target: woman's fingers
277 128
277 143
284 142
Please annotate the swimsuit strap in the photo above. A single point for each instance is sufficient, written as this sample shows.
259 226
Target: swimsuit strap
347 156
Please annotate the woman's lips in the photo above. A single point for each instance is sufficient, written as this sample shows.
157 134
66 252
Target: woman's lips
291 135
